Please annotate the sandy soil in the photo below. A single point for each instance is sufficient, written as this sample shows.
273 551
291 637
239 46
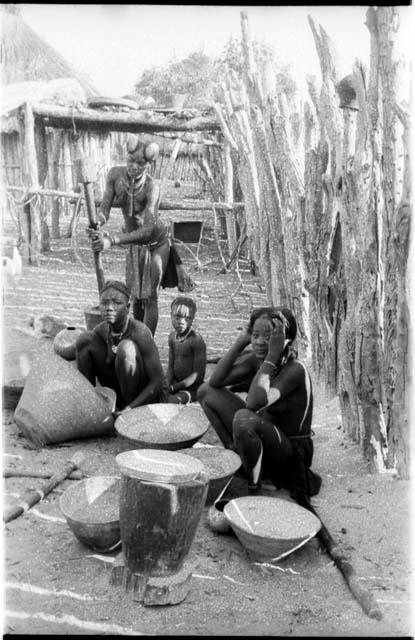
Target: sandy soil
55 585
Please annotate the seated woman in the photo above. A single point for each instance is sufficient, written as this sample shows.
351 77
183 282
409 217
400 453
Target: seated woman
271 431
120 352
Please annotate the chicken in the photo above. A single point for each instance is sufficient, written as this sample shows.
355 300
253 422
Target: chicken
11 268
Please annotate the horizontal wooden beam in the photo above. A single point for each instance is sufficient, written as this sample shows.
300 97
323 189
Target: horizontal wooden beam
165 205
83 118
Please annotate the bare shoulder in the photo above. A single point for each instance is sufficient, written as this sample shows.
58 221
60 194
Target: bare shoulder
140 332
197 339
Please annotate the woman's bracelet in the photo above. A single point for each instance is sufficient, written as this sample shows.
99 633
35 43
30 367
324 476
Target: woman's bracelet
114 240
270 363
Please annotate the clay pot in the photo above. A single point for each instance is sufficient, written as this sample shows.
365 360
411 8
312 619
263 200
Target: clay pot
64 343
58 403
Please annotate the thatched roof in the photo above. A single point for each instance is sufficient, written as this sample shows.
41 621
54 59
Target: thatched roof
26 57
62 91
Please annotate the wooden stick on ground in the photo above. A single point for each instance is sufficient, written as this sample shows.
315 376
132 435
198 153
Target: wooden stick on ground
33 473
363 597
32 497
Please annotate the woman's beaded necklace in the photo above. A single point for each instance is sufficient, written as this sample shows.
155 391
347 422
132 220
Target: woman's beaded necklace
118 337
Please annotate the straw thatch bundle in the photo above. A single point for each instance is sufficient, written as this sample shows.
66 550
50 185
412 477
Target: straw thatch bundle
25 56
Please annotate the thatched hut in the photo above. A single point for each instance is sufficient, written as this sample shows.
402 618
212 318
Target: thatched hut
46 123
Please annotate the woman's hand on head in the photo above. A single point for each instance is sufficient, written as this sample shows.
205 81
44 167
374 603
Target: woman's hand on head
276 343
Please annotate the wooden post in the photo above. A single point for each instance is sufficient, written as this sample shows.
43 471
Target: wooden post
161 502
169 168
42 154
56 154
67 168
31 179
229 217
87 175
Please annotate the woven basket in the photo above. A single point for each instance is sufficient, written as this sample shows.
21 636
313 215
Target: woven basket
220 465
91 509
270 528
162 426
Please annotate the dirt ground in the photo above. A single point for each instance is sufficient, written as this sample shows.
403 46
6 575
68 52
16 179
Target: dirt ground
55 585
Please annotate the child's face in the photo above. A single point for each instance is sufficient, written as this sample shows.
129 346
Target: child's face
181 319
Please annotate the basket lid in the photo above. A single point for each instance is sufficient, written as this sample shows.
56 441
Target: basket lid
158 465
273 518
163 423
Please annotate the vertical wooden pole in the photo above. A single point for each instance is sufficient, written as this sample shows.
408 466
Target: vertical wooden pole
56 153
67 169
42 156
228 188
31 180
168 172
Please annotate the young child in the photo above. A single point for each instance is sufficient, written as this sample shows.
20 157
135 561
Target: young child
187 353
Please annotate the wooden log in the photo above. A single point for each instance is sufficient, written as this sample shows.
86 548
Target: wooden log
33 497
135 122
161 502
31 178
225 129
67 168
228 193
192 139
186 205
168 170
363 597
56 155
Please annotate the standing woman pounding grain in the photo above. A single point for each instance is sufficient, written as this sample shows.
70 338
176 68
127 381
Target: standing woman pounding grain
271 431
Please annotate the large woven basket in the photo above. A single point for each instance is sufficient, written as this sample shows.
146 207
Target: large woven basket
162 426
270 528
91 509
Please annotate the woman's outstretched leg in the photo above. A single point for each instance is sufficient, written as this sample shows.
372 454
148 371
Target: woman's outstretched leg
220 405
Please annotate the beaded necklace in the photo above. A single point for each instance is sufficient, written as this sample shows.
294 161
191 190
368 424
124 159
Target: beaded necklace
184 336
117 336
